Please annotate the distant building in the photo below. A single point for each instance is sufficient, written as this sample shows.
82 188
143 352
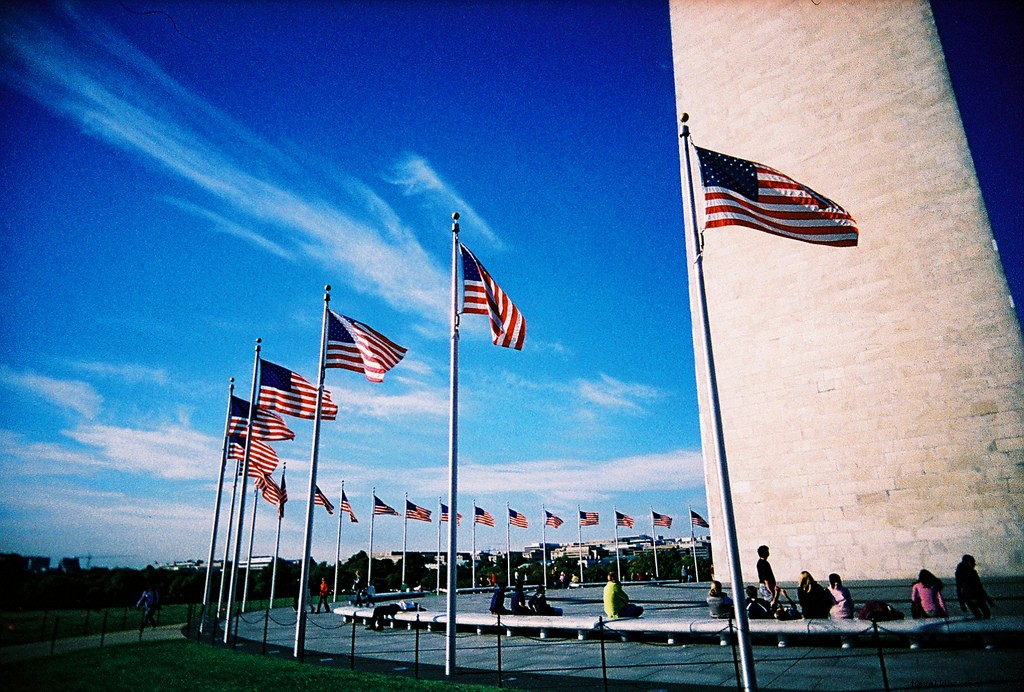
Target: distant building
36 564
70 565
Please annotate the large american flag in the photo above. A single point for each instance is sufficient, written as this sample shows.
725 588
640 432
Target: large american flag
320 499
745 193
482 516
483 296
357 347
290 393
346 507
551 520
663 520
262 457
268 425
444 515
379 507
588 518
271 493
698 520
517 519
414 511
624 520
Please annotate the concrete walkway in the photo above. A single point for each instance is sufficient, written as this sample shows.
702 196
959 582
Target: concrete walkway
24 652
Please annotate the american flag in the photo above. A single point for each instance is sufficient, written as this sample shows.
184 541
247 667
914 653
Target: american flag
444 515
290 393
357 347
662 520
551 520
484 297
262 457
346 506
380 508
268 425
320 499
414 511
482 516
745 193
284 497
267 486
698 520
517 519
588 518
624 520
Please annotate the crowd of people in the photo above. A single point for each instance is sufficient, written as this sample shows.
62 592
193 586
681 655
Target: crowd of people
769 600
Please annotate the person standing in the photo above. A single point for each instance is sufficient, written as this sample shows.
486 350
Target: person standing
149 601
324 591
969 590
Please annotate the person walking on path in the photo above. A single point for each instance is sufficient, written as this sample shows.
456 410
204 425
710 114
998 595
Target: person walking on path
324 592
616 602
969 590
149 601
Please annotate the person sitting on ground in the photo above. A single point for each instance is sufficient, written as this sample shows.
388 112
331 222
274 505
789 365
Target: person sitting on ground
757 607
926 597
969 590
616 602
814 601
498 601
539 604
842 602
719 605
518 603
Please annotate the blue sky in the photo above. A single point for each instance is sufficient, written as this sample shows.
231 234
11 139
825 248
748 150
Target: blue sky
176 185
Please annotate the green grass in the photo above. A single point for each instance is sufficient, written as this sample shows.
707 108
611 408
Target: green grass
186 666
41 626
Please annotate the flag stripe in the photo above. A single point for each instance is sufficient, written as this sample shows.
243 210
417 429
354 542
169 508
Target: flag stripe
482 516
551 520
346 506
414 511
444 515
662 520
358 347
744 193
288 392
623 520
379 507
320 499
517 519
588 519
698 520
267 426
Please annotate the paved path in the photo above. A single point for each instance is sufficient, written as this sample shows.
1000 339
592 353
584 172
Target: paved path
23 652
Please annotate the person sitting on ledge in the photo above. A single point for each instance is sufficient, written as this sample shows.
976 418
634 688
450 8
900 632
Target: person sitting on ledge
842 601
616 602
757 607
814 601
969 590
539 604
926 597
389 611
498 601
719 605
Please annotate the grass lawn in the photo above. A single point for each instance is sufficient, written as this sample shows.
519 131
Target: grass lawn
185 666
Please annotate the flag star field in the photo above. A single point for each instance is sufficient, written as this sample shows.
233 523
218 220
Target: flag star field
180 179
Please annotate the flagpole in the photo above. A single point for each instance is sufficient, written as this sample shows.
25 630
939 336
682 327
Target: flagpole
579 522
216 512
693 546
252 537
405 538
337 554
473 576
544 545
718 436
453 464
225 574
277 540
508 543
300 620
618 567
654 545
241 499
439 515
373 514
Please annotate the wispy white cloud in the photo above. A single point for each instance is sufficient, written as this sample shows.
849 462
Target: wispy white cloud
75 395
133 373
608 392
170 451
417 402
94 77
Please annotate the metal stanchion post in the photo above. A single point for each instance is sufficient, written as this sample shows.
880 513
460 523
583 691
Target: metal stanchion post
85 628
416 666
53 640
499 652
881 658
735 653
352 652
604 661
103 629
266 625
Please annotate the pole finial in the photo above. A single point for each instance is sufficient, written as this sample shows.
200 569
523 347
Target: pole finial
327 288
259 340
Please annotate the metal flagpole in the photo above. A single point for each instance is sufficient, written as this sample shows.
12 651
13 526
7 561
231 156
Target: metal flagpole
252 537
579 522
508 543
654 544
618 567
277 540
473 575
439 515
373 515
717 435
453 466
693 546
337 553
300 620
232 582
544 545
224 573
216 513
405 537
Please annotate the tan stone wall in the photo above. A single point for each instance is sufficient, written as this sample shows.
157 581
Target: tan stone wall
872 397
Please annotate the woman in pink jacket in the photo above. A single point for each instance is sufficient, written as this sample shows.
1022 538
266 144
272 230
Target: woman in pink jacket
926 597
